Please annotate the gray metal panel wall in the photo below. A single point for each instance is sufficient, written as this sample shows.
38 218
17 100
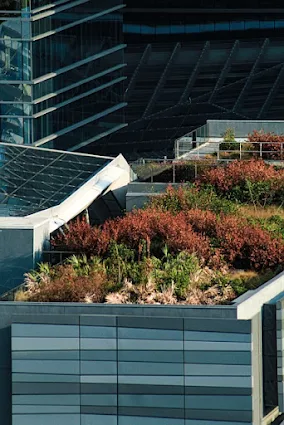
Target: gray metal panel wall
23 312
98 367
16 256
45 374
119 370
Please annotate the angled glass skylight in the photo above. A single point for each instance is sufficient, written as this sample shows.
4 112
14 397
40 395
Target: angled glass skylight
34 179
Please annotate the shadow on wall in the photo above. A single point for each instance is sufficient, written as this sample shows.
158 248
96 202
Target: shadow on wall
16 256
111 204
5 369
12 271
14 274
279 420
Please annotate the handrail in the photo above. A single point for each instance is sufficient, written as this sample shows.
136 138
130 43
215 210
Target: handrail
242 150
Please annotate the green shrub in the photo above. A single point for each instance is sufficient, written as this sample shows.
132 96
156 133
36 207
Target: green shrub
230 146
245 281
191 197
175 270
258 193
229 143
122 263
251 181
273 224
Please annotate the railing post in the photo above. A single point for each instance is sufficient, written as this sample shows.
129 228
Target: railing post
240 150
174 172
260 150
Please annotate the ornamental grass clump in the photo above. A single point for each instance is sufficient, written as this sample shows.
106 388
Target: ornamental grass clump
78 280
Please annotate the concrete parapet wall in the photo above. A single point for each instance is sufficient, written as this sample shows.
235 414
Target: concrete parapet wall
250 306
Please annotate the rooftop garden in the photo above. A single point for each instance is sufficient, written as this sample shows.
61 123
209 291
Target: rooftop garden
205 242
259 145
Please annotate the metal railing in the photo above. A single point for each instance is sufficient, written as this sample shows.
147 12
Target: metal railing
170 170
228 151
165 170
54 257
272 151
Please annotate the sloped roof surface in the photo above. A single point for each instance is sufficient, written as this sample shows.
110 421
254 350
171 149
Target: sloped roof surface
34 179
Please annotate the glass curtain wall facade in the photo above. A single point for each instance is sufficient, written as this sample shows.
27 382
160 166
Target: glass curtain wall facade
61 72
161 20
191 61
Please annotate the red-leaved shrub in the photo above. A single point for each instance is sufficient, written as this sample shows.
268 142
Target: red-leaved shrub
158 228
67 286
251 181
81 237
204 222
241 244
271 144
209 236
225 178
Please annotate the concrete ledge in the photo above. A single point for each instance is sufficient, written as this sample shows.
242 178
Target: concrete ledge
249 307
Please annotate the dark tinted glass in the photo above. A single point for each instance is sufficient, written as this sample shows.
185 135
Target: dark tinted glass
32 179
200 4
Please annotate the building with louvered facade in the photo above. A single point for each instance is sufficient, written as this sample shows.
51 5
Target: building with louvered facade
193 61
64 83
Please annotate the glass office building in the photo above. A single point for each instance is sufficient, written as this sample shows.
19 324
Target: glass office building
190 61
163 19
61 72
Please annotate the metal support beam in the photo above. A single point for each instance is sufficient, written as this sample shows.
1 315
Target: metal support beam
144 59
162 80
194 74
239 101
225 71
271 93
263 72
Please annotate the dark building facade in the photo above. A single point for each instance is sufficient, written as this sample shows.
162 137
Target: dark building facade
61 71
198 60
164 20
